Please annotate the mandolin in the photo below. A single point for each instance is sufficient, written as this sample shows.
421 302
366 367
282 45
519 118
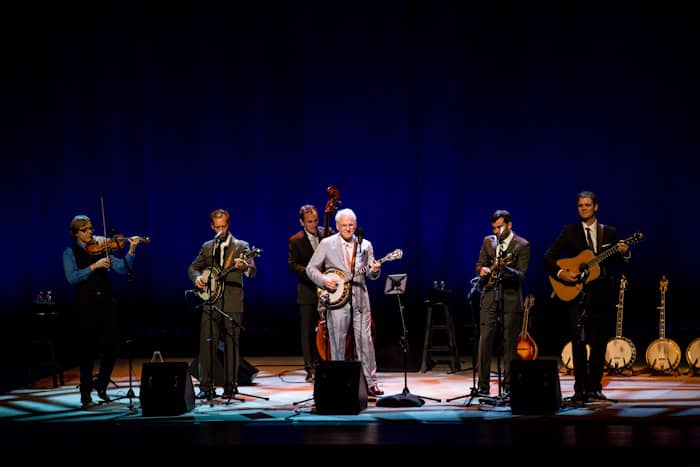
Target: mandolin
527 348
620 352
663 355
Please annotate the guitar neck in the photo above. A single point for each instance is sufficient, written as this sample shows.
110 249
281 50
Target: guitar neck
603 256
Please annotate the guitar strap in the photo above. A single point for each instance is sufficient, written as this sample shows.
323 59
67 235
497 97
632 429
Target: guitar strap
231 252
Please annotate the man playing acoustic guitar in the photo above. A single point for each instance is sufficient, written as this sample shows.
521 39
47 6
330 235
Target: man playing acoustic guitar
591 308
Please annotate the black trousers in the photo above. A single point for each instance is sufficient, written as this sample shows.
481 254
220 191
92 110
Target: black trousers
220 329
98 340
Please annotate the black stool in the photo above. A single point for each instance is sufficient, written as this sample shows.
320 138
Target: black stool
443 349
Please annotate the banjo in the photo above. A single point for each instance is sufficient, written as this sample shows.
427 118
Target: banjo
663 354
213 288
692 354
567 356
341 295
620 352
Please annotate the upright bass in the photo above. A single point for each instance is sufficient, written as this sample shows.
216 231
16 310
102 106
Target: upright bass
322 343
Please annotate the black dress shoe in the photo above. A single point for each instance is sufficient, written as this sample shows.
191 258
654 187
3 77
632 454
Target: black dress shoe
229 391
309 376
85 400
375 390
597 395
579 396
102 394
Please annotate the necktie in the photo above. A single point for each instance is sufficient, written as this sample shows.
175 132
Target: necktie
590 240
217 255
348 255
314 241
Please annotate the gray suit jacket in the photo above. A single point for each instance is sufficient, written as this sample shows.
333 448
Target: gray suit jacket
329 254
232 299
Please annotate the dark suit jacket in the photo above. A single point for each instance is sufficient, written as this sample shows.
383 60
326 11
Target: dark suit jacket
299 254
517 259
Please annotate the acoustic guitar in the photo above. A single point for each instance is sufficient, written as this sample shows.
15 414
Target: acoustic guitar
620 353
526 347
587 266
663 355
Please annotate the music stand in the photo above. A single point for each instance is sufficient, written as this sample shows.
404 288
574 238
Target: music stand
396 285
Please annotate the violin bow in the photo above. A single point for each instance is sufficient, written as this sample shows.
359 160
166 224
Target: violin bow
104 224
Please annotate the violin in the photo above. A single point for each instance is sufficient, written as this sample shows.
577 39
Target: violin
118 241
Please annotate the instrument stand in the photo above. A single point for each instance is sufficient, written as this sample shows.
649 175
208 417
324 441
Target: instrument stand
473 391
396 285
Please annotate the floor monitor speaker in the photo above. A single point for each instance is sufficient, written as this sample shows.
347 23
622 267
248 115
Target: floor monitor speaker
166 389
246 371
339 387
534 387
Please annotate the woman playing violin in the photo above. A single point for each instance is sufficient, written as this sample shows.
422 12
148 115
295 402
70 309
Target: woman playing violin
87 269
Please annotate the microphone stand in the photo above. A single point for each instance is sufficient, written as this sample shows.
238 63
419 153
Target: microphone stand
473 391
236 324
211 392
500 336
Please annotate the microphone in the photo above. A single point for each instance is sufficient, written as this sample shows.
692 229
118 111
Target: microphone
360 232
501 229
218 235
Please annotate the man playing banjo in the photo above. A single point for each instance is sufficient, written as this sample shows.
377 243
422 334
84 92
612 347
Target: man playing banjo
331 268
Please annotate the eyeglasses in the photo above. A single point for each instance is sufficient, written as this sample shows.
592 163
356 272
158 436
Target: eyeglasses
87 229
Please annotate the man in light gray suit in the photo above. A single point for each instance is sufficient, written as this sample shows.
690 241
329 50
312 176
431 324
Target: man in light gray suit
331 268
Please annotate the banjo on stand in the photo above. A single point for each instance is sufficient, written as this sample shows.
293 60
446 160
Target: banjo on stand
567 356
620 353
692 356
663 355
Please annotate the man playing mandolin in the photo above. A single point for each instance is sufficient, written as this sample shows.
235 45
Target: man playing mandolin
503 261
345 252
